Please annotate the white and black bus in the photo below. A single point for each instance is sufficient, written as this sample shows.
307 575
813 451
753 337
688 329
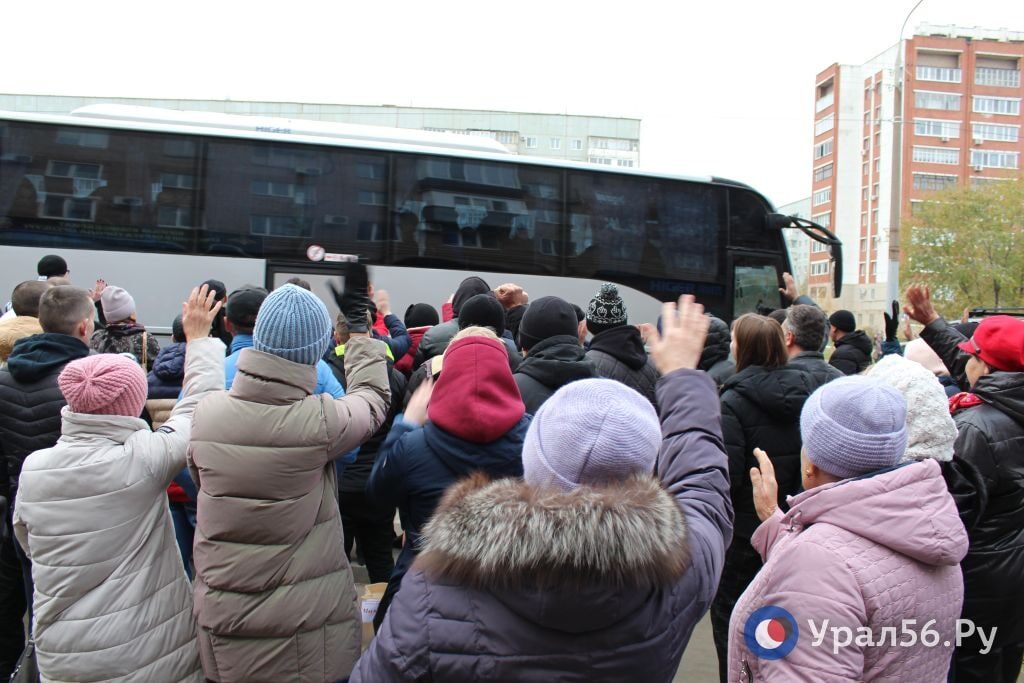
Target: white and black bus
157 201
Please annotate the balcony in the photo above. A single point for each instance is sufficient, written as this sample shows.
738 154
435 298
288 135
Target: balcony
824 102
1004 78
940 74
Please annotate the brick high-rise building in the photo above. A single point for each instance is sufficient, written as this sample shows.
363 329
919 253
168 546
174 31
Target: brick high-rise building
940 109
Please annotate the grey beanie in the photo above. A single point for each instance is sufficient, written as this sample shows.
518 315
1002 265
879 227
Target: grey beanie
854 425
293 324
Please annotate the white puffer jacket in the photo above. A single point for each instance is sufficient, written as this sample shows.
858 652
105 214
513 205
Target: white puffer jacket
112 602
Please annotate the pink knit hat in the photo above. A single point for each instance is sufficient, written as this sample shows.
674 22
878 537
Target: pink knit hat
104 384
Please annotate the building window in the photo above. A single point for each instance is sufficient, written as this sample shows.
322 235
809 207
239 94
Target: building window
940 74
174 217
66 169
877 163
994 159
933 181
68 208
818 247
1005 78
865 167
819 268
823 172
925 99
625 163
576 144
179 181
874 191
862 270
556 143
824 125
878 115
179 148
371 198
301 194
864 220
372 170
937 128
822 196
997 105
80 138
370 231
604 161
823 149
280 226
823 219
531 142
874 268
864 194
936 155
826 96
874 218
995 131
618 144
864 244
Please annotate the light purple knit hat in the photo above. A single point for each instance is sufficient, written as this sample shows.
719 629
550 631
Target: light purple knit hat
854 425
590 432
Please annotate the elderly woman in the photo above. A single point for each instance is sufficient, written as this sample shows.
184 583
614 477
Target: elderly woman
870 546
123 333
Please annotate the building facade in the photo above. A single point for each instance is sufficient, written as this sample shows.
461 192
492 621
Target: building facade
797 243
940 109
597 139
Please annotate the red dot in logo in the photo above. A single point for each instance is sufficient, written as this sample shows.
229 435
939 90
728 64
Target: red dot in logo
776 631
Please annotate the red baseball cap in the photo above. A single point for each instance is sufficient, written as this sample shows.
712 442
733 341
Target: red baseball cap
999 341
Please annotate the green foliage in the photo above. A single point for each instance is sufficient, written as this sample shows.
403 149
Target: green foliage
967 243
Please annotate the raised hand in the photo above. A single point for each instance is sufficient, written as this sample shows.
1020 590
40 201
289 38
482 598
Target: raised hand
892 322
681 341
382 300
789 291
354 299
919 304
416 411
198 312
511 295
97 291
766 489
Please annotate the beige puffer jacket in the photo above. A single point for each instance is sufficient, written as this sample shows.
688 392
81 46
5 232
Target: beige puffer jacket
274 596
112 602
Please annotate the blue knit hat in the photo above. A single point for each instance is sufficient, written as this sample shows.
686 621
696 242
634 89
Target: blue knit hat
592 431
293 324
854 425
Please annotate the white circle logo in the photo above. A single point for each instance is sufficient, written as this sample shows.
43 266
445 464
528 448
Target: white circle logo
315 252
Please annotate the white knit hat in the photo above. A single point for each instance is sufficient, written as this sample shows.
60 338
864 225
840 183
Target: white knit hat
930 427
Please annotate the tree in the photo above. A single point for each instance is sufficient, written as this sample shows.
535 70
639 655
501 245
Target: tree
967 243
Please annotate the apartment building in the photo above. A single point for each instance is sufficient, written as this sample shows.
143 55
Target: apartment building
940 109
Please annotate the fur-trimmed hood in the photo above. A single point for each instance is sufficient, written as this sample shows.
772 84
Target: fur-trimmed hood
507 534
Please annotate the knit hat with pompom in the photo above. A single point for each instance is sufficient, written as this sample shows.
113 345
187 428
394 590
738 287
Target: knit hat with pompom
606 310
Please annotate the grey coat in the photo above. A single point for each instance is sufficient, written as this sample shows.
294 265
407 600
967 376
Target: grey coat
516 583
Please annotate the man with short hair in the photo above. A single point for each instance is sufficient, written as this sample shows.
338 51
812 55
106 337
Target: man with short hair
52 265
804 330
986 479
852 354
25 323
30 421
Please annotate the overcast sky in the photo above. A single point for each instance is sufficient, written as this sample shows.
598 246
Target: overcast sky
723 88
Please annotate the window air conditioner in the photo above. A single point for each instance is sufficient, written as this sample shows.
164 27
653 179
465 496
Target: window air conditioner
978 141
979 169
308 170
127 201
945 138
16 158
335 219
864 152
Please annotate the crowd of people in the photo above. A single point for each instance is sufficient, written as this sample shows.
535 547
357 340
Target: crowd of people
575 489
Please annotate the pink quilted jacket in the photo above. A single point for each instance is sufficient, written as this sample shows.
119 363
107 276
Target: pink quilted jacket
865 554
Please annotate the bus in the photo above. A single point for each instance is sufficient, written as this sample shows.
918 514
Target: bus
157 201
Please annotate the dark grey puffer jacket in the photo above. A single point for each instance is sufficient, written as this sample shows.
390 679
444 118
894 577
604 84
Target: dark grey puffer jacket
715 358
619 354
613 607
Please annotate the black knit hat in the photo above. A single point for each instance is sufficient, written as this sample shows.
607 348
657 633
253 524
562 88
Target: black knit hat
421 315
606 310
468 288
243 305
843 321
51 266
547 317
177 330
483 310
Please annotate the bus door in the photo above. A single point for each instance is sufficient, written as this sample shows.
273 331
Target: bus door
754 282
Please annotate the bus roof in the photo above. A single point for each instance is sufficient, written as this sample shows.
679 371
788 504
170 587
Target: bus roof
157 120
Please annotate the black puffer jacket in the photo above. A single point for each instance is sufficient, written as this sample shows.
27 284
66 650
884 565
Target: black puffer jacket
355 474
986 478
715 358
30 400
761 409
619 354
550 365
852 355
813 363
